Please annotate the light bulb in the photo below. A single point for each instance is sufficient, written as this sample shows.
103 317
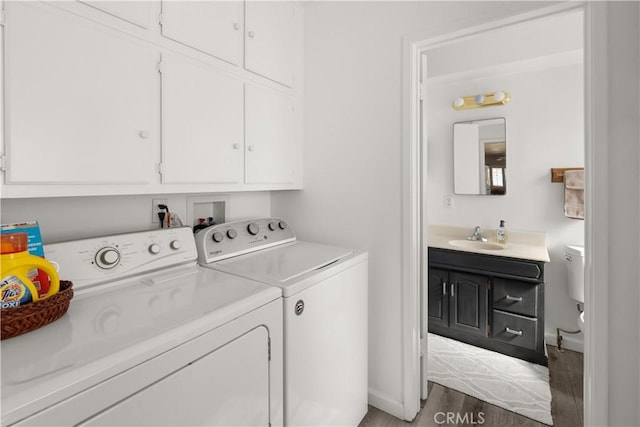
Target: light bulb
458 102
479 99
499 96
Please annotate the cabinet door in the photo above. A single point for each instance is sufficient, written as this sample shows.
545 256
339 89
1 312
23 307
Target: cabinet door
438 298
144 14
80 100
213 27
271 149
269 41
468 303
202 124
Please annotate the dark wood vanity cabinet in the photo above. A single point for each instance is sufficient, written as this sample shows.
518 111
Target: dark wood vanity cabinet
488 301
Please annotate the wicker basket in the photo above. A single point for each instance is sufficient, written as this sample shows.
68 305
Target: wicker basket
28 317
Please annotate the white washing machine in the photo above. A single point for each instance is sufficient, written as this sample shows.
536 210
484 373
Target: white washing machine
150 338
324 291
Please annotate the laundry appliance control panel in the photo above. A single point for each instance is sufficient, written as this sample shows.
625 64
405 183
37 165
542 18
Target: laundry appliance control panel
230 239
109 258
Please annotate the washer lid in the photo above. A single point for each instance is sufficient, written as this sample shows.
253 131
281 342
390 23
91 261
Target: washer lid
284 263
114 327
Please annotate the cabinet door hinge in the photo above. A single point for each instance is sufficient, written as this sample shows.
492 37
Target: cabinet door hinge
269 347
160 19
160 66
421 91
161 168
3 18
3 164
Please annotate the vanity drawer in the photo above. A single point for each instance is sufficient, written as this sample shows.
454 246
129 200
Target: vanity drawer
515 329
515 296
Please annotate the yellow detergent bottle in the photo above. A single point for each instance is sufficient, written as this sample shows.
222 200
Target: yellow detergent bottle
16 263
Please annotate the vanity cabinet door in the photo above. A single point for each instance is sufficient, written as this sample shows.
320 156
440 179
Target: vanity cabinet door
438 299
468 303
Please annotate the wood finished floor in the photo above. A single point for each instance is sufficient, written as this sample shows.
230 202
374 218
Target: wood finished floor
565 380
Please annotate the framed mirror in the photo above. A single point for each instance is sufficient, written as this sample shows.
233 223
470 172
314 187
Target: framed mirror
480 157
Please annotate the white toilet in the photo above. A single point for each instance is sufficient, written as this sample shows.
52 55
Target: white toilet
574 256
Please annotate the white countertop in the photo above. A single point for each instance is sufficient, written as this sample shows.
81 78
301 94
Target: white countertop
520 244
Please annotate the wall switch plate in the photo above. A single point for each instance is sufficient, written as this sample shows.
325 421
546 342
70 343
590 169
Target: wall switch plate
155 209
448 201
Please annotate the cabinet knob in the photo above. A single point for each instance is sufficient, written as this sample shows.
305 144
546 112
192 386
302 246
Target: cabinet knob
144 134
236 26
513 331
236 146
251 34
251 148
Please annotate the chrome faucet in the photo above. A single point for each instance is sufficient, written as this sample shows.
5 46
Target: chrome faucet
477 235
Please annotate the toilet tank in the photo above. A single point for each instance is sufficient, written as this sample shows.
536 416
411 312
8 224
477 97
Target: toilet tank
574 256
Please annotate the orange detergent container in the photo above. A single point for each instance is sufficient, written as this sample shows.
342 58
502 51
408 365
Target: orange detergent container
16 262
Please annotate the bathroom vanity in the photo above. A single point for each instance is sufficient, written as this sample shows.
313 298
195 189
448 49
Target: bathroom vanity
488 295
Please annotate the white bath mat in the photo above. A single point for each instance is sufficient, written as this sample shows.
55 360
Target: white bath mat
504 381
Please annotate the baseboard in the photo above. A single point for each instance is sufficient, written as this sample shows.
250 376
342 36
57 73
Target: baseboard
574 342
385 403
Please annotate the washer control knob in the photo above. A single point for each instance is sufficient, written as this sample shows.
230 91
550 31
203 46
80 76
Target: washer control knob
154 248
217 237
175 244
282 225
232 234
107 257
253 228
273 226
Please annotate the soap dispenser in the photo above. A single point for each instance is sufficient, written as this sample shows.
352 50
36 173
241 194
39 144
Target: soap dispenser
501 233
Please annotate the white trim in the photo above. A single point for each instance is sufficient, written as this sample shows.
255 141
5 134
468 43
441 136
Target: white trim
596 360
411 214
569 342
385 403
414 45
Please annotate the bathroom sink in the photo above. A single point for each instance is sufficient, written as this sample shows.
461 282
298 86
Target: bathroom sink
475 244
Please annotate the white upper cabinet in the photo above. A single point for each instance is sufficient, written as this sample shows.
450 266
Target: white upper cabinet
202 124
270 34
212 27
150 97
140 13
80 101
272 151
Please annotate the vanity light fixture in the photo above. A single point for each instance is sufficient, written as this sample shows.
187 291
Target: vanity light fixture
481 100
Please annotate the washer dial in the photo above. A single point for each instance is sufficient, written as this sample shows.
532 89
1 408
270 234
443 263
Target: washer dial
107 257
253 228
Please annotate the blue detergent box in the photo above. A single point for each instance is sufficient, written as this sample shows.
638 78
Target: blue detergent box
34 239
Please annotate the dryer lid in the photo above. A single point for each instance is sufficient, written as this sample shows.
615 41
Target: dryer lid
284 263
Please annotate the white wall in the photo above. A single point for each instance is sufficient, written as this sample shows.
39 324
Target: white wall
353 149
545 129
617 160
70 218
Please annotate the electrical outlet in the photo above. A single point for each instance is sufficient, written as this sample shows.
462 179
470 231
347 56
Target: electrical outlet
155 209
448 201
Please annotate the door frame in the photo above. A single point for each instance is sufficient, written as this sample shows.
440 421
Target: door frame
414 219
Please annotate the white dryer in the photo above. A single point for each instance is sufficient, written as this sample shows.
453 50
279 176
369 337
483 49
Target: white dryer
325 292
150 338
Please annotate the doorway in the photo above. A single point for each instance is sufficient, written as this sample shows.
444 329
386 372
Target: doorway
418 185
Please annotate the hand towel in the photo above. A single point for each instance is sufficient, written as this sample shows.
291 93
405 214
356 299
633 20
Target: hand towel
574 194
